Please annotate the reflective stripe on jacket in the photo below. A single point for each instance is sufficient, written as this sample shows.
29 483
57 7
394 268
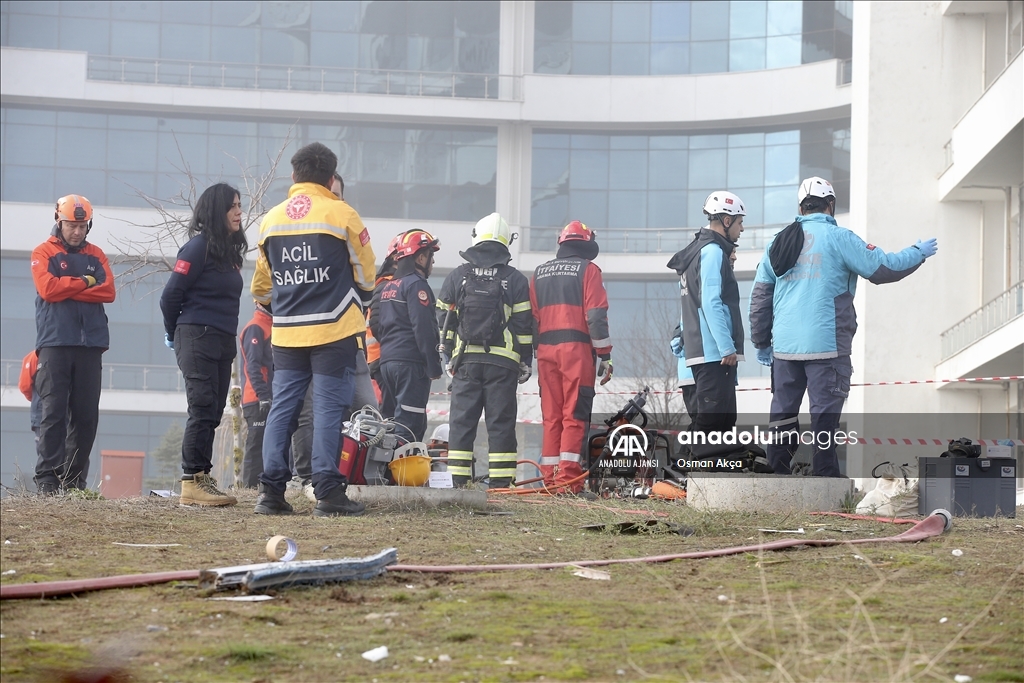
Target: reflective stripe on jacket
570 304
68 312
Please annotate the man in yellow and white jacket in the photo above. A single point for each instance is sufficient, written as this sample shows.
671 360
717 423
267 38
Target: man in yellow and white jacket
316 267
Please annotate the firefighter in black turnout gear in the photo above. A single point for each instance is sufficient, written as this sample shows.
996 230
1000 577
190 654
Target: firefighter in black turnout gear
487 331
407 332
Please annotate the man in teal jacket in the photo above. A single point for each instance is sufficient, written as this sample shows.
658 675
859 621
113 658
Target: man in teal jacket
802 319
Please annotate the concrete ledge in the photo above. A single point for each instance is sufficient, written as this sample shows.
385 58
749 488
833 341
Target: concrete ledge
417 496
765 492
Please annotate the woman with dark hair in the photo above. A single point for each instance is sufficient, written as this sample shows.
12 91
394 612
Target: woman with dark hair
200 307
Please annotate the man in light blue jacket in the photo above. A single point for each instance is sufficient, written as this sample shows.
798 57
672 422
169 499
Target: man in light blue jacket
802 319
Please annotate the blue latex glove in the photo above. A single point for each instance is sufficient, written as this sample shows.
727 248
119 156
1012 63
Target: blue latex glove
928 247
765 356
168 342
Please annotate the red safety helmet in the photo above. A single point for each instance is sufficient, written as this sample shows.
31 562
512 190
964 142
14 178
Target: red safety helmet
411 242
393 246
73 207
576 230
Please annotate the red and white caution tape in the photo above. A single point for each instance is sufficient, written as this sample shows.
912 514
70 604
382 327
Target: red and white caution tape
934 442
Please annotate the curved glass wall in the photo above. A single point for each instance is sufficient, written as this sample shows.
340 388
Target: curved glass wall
385 34
441 173
617 182
626 37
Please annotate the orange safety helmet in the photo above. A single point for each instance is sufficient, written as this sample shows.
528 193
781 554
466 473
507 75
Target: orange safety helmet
411 242
576 230
73 207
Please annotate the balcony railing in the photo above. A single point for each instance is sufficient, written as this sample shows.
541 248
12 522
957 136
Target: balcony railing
987 319
119 376
304 78
648 240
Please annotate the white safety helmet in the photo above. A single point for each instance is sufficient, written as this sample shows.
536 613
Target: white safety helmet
721 201
440 433
492 228
814 187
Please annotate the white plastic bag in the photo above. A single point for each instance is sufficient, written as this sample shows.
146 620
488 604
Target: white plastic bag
895 493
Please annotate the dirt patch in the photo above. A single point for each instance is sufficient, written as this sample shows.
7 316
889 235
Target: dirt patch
886 612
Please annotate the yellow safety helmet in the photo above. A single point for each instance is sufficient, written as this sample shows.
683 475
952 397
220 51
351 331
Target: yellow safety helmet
411 466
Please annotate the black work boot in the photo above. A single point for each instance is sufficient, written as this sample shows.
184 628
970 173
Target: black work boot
499 483
269 502
338 504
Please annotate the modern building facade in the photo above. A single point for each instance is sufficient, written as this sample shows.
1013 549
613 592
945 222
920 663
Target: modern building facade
621 114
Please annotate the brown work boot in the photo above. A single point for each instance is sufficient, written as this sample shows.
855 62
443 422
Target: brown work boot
202 490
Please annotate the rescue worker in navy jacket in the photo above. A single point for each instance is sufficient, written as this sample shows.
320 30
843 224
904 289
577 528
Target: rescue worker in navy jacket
496 297
570 310
711 323
802 319
258 370
73 280
408 334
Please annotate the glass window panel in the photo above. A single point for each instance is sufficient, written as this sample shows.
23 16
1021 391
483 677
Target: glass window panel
88 182
709 20
628 170
431 164
381 161
137 11
627 209
816 159
435 54
550 167
87 35
381 200
552 140
187 11
746 140
746 166
588 169
552 57
630 59
284 47
746 55
81 148
631 22
590 142
667 169
89 8
478 18
627 142
708 169
818 16
35 145
781 164
385 18
747 19
47 7
231 44
133 150
477 165
785 17
670 58
123 188
624 289
33 116
780 204
333 16
589 206
708 141
669 142
670 21
382 51
695 217
549 209
428 18
782 137
709 57
428 202
469 202
591 58
553 19
81 119
666 209
591 21
818 46
753 202
178 149
134 39
783 51
27 184
184 41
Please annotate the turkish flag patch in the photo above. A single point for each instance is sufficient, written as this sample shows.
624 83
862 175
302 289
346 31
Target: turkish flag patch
424 299
871 247
182 267
364 237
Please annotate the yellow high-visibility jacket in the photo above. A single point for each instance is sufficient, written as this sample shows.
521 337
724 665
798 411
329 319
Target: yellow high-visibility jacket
315 266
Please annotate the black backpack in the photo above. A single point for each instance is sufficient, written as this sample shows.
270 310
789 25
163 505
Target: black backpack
481 307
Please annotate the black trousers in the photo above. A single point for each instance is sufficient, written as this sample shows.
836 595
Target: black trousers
406 390
491 389
715 397
302 438
252 463
204 356
68 384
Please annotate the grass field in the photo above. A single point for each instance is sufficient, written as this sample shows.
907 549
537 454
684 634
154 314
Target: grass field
887 612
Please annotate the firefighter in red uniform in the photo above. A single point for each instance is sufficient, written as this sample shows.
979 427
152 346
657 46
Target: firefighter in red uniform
258 369
570 307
